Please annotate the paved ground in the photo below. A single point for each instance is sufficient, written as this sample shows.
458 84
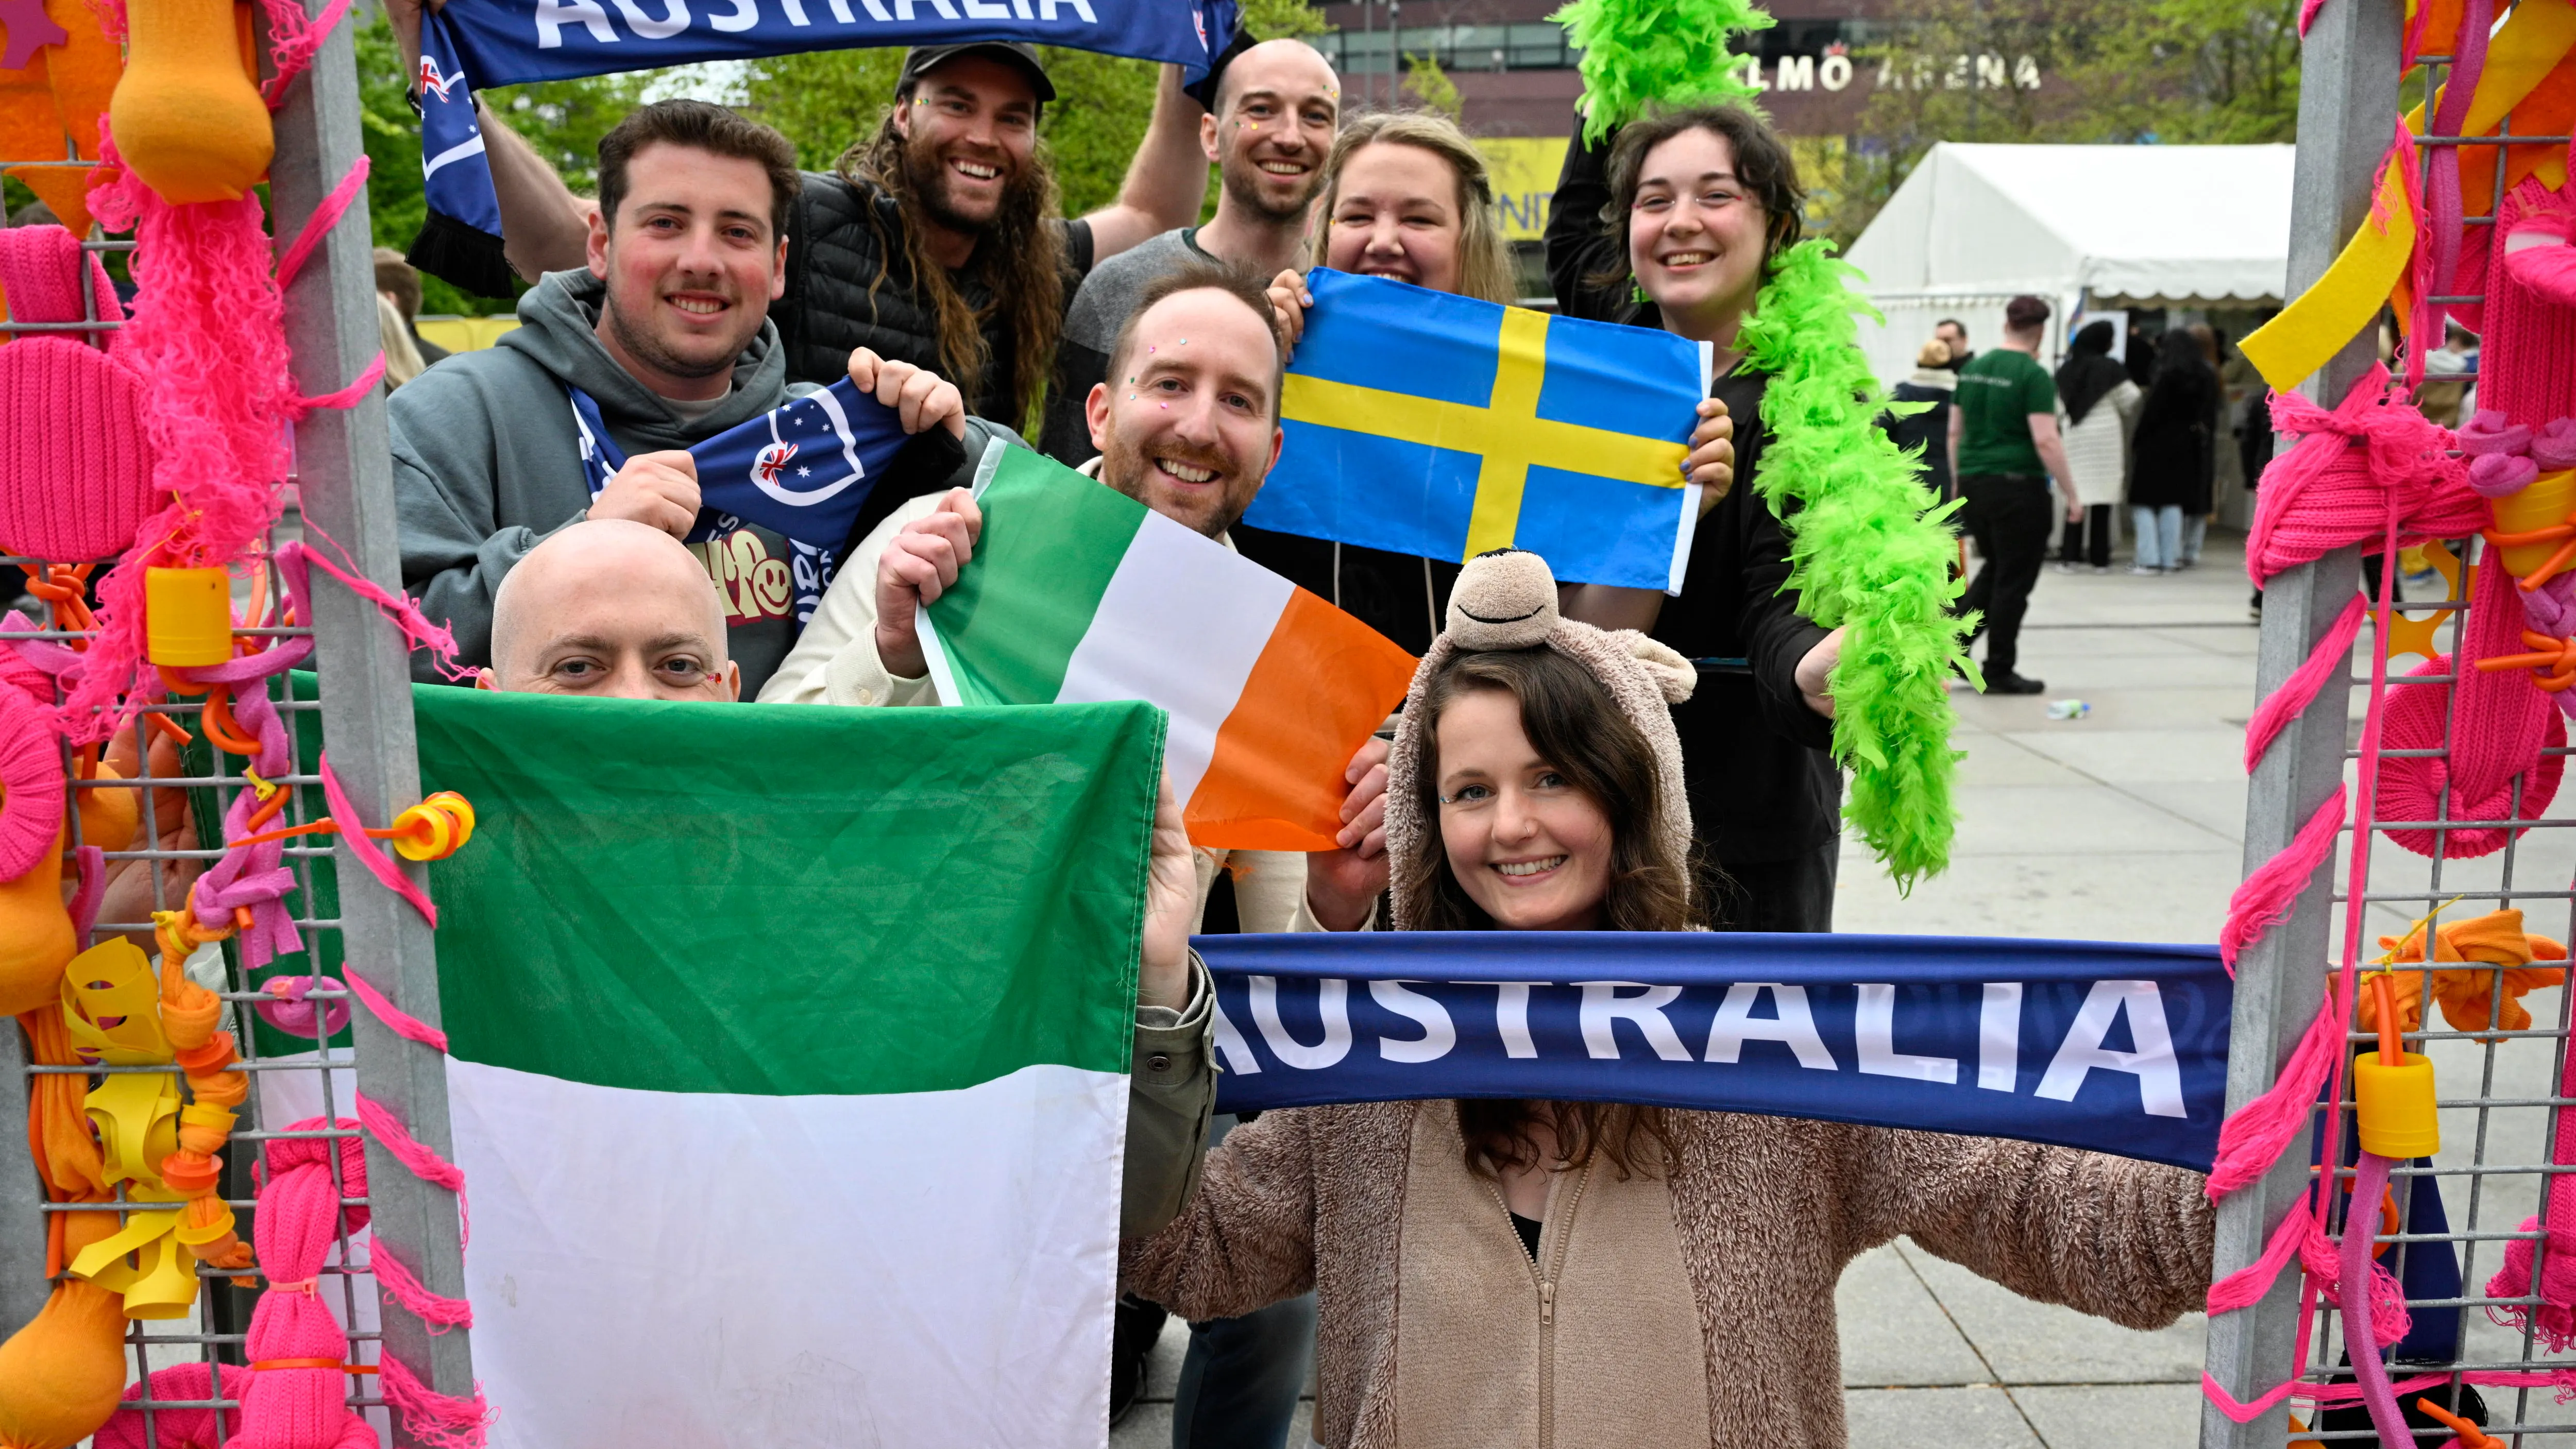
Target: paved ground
2124 825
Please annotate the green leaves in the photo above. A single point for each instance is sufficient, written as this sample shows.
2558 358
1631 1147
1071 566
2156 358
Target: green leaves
1869 551
1640 53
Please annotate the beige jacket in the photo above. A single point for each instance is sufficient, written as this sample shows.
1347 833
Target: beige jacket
1691 1304
1692 1307
835 662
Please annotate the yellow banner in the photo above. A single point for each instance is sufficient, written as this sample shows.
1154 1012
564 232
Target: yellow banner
1524 170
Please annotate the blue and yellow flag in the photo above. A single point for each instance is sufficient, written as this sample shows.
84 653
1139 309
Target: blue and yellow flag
1430 424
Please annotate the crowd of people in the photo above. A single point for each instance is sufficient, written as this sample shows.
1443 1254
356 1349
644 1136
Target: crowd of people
1610 759
2003 434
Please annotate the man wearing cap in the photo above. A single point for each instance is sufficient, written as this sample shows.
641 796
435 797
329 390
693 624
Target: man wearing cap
934 242
1270 127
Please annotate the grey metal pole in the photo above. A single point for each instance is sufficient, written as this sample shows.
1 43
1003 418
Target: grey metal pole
23 1284
345 472
2347 107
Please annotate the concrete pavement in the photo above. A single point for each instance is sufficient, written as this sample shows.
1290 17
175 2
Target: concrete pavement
2124 825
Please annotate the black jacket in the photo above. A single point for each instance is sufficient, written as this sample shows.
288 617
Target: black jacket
2170 454
1928 429
1755 766
850 286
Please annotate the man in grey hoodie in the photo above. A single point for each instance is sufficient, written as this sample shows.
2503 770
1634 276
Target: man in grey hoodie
668 334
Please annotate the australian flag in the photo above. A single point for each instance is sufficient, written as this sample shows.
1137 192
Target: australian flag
804 469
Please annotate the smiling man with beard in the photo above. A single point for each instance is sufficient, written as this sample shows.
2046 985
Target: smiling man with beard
665 335
1192 438
1278 105
934 241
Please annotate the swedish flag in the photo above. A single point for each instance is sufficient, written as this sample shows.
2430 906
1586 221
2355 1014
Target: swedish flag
1429 424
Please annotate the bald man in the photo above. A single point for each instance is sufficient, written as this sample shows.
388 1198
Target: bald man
612 609
1278 105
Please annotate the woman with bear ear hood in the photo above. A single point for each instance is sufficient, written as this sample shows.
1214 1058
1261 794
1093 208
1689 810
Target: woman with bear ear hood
1532 1273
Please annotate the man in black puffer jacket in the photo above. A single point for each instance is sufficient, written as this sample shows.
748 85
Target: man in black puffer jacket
934 240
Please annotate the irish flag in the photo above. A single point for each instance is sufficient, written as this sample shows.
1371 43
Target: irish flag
1077 592
788 1064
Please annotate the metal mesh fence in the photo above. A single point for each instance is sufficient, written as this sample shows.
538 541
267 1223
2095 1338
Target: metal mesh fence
2499 1090
183 781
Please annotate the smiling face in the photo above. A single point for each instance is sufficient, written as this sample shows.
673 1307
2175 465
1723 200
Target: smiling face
692 264
1695 231
970 130
1396 213
1277 108
1188 422
614 610
1529 848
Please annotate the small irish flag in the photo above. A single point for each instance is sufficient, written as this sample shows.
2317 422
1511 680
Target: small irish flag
1079 593
788 1064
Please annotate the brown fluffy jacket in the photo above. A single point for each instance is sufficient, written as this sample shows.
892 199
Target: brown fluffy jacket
1769 1211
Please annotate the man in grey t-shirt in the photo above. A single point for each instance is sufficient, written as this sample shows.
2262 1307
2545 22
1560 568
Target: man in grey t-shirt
1277 107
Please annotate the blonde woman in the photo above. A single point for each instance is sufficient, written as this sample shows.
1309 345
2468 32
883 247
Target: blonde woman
1406 197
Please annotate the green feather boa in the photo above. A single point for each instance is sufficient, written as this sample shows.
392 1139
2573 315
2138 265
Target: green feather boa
1638 53
1866 553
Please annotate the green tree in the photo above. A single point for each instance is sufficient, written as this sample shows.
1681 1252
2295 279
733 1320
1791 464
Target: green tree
563 120
1431 87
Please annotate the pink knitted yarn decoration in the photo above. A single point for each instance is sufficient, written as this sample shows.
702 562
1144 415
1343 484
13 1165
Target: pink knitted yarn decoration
207 331
298 1221
179 1428
2500 724
75 467
2325 493
2527 353
2553 1319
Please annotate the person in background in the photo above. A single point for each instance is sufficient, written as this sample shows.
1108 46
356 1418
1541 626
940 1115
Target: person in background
1509 1272
1952 333
398 283
2448 376
2204 505
2170 455
34 213
402 358
1932 383
1277 106
1406 196
2097 405
2004 448
1687 211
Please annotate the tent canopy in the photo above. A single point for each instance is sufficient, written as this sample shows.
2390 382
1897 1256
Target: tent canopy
2131 225
2089 227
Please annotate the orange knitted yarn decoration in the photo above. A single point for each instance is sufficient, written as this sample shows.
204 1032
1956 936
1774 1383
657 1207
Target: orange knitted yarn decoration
2467 994
108 815
36 940
51 108
61 1374
186 118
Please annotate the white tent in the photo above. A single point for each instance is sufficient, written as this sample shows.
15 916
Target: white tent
2091 228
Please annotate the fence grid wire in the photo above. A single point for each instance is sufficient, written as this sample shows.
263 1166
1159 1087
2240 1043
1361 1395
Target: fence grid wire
2498 1091
341 495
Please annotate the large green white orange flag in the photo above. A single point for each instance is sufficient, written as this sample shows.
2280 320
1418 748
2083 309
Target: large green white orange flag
1077 592
788 1055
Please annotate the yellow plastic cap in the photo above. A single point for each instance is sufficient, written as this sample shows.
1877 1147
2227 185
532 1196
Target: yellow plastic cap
2546 500
2395 1106
188 616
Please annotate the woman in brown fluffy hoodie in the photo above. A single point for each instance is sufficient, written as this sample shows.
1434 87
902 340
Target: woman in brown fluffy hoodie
1535 1274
